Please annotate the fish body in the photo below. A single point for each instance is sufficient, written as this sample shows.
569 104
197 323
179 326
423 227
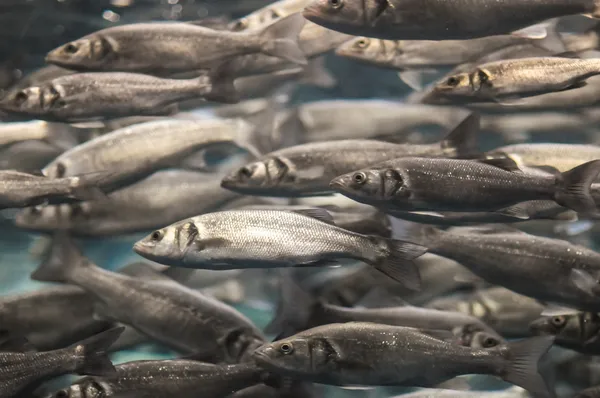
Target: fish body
175 47
271 238
22 370
167 378
521 76
438 19
160 199
537 267
408 184
359 353
153 305
19 189
134 152
106 95
562 157
507 312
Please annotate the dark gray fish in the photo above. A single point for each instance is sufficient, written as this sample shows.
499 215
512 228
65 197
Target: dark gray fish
357 353
172 47
299 310
307 169
165 379
19 189
438 19
509 313
409 184
154 304
24 370
550 270
240 239
98 96
160 199
579 331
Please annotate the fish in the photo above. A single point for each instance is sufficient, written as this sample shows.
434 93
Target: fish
327 120
298 310
106 95
366 221
165 48
585 41
18 189
214 330
579 331
41 75
507 312
307 169
28 156
547 269
166 378
436 20
229 240
267 14
160 199
59 135
360 353
520 77
135 152
513 392
413 184
561 157
26 368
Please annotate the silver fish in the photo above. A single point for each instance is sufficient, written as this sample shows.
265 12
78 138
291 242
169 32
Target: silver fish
60 135
267 14
438 20
134 152
164 48
409 184
97 96
228 240
562 157
28 156
357 353
514 392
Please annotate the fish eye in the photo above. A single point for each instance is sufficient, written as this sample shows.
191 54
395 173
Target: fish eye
286 348
240 25
35 210
61 170
246 172
21 97
71 48
359 178
489 342
362 43
483 77
558 320
156 236
336 4
453 81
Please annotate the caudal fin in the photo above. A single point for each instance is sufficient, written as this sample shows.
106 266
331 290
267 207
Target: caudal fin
62 258
294 308
93 353
462 140
280 39
522 369
398 263
575 192
222 82
88 186
316 74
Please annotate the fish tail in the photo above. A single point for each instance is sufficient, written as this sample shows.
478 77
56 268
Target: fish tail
522 369
280 39
397 262
94 352
574 191
316 74
222 82
60 136
61 259
461 142
295 308
87 186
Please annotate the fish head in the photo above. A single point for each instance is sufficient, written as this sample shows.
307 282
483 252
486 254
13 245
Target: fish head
168 245
256 20
458 84
557 325
271 173
345 16
83 54
87 387
297 355
377 184
365 48
35 100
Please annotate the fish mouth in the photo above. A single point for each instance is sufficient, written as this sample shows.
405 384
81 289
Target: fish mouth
142 248
337 185
312 12
261 357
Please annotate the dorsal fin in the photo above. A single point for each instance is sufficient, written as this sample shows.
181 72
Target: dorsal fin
502 162
317 213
